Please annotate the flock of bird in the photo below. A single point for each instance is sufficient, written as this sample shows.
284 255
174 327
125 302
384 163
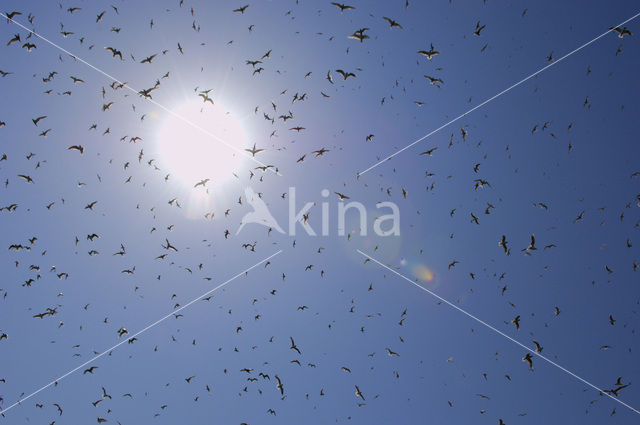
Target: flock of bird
100 179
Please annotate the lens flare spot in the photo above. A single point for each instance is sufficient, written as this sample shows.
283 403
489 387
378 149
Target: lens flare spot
423 273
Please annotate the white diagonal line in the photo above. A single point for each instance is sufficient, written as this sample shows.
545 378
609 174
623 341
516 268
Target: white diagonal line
125 85
499 332
137 333
497 95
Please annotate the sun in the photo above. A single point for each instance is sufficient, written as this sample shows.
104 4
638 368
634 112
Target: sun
197 142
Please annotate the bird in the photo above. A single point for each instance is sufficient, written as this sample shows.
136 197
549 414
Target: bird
201 183
253 151
621 31
343 7
59 408
115 52
15 39
146 93
392 353
359 393
392 23
538 346
279 386
320 152
503 244
205 97
38 119
550 59
478 29
104 393
579 217
359 35
149 59
90 370
527 358
79 148
241 9
532 244
516 321
168 246
434 81
12 15
294 346
429 53
29 46
429 152
344 74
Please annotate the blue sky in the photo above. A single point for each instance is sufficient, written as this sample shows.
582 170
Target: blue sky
557 147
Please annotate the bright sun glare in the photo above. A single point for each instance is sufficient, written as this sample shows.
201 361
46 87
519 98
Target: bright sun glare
190 154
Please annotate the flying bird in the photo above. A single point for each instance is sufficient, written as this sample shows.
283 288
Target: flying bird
343 7
320 152
149 59
503 244
429 152
37 120
429 53
344 74
201 183
529 359
279 386
294 346
241 9
78 148
115 52
392 353
253 151
621 31
392 23
360 35
434 81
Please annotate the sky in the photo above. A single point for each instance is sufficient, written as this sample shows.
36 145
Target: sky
136 289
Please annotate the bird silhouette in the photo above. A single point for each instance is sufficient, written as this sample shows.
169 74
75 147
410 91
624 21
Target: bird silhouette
392 23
